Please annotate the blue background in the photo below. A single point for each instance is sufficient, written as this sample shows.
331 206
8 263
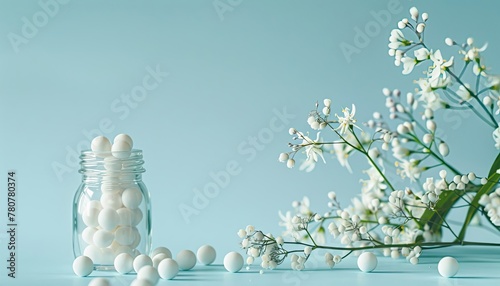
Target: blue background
228 75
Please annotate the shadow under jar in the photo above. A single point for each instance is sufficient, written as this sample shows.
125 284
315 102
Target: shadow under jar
111 208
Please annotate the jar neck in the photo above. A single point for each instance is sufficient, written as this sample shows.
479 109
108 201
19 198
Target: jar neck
111 166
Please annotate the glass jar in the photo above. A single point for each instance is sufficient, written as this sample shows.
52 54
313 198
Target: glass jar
111 208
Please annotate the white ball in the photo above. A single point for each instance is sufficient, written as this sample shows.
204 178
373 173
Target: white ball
149 273
168 268
124 137
93 252
121 149
140 261
108 219
186 259
112 164
161 249
111 200
141 282
138 216
158 258
132 197
233 262
83 266
367 262
448 266
123 263
206 254
90 216
125 235
103 238
126 216
88 234
100 145
107 256
99 282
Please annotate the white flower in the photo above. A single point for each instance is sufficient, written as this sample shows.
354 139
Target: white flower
347 120
409 169
342 152
422 54
463 92
400 152
474 52
439 67
313 150
397 39
287 222
408 64
496 137
431 99
374 184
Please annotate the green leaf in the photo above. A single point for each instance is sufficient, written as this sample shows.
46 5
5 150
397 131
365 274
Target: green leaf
495 166
493 179
434 218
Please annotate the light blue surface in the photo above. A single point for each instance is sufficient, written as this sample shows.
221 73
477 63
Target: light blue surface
231 77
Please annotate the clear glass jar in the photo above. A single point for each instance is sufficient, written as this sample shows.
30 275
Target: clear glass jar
111 208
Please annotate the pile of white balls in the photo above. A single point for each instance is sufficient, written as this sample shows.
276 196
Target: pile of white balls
111 220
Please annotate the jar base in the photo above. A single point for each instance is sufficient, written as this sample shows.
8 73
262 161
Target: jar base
104 268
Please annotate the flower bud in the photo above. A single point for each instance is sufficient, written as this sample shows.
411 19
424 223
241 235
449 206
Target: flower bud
290 163
427 138
431 125
292 131
386 91
327 102
401 25
429 113
487 101
402 129
470 41
420 28
425 16
449 42
410 99
326 110
443 149
311 120
283 157
414 13
387 137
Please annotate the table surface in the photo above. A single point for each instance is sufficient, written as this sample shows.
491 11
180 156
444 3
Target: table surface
477 265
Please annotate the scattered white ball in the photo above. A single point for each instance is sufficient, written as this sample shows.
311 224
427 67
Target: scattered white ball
448 266
99 282
161 249
233 262
149 273
367 262
186 259
108 219
124 137
121 149
158 258
206 254
140 261
132 197
168 268
141 282
83 266
100 145
124 263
